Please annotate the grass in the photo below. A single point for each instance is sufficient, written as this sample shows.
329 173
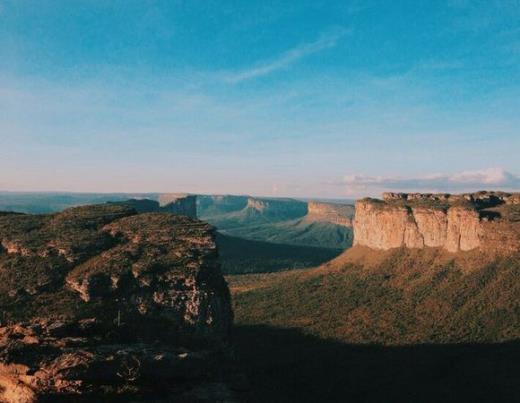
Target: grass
396 327
391 303
300 232
246 256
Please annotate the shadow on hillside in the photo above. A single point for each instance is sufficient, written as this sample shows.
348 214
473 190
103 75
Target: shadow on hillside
287 366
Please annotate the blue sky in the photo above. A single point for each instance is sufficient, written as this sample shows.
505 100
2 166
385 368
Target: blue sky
288 98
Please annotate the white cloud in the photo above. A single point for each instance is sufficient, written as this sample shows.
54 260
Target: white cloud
487 179
291 56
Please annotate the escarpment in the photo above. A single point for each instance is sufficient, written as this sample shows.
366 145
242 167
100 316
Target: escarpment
487 221
339 214
180 204
102 301
277 208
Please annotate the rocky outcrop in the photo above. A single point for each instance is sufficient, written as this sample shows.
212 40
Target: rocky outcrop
100 301
174 203
179 203
485 220
339 214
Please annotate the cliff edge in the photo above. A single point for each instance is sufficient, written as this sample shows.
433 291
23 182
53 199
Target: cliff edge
101 301
487 221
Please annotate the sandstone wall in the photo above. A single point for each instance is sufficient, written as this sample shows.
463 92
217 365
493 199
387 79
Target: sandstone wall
452 222
339 214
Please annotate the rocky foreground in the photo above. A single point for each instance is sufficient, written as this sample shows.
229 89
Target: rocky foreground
485 221
101 301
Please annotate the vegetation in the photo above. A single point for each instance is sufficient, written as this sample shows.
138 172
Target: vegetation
397 301
396 327
301 232
240 256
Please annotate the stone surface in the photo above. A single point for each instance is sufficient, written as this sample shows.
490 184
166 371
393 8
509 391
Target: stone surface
484 220
339 214
101 301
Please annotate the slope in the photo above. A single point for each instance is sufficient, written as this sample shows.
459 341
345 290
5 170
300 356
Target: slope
369 326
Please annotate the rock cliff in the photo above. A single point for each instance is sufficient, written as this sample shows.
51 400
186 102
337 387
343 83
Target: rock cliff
180 204
339 214
485 220
101 301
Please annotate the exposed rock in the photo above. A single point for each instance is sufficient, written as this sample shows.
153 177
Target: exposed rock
339 214
180 204
484 220
101 301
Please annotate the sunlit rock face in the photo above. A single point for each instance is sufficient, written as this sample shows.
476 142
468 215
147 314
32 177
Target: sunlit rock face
487 221
339 214
102 301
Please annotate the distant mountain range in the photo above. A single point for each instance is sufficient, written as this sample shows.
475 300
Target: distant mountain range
282 221
274 220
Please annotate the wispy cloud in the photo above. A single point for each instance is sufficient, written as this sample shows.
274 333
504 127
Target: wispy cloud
487 179
326 41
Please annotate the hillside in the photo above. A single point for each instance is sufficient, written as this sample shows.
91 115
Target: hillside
280 221
414 299
300 232
239 256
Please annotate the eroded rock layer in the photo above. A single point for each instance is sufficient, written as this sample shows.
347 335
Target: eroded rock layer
339 214
489 221
100 300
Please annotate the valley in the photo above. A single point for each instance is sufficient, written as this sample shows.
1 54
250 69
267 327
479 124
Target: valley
330 303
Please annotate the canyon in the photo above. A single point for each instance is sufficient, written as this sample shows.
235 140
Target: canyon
485 221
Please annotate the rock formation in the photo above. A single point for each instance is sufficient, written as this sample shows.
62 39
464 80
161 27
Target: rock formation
277 208
101 301
180 204
212 205
339 214
485 220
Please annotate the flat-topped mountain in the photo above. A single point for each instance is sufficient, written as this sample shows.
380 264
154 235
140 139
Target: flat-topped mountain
175 203
334 213
487 221
281 221
101 301
52 202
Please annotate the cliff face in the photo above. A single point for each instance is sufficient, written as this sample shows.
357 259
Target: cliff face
179 204
277 208
102 301
485 220
339 214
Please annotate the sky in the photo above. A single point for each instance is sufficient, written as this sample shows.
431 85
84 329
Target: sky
276 98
